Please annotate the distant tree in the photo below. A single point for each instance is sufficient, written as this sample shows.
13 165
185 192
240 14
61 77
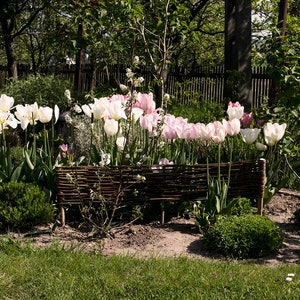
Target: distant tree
15 17
278 49
162 28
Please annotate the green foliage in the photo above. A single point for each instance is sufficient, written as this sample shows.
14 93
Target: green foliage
297 216
241 206
45 90
197 111
281 55
23 205
246 236
283 162
72 273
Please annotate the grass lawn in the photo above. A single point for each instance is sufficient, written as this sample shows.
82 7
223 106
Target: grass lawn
55 273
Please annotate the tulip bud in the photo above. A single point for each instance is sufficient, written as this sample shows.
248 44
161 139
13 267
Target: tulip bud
261 147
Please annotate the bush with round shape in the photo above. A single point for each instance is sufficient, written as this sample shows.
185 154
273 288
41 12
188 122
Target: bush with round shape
23 205
245 236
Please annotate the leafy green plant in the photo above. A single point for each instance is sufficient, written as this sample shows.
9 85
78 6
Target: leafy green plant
297 216
23 205
242 206
197 111
246 236
283 166
45 90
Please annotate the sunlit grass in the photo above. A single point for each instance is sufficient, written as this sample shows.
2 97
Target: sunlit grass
27 273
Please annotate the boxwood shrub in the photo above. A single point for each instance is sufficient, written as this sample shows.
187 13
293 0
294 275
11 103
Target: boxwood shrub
23 205
245 236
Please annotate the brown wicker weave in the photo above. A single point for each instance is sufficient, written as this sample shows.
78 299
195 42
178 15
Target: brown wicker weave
162 183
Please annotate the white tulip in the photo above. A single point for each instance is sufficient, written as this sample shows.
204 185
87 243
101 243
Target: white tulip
235 111
45 114
116 110
250 135
7 118
111 127
56 113
273 133
136 113
87 110
6 103
27 114
121 141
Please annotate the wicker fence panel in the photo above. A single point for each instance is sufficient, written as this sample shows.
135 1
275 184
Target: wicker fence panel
172 182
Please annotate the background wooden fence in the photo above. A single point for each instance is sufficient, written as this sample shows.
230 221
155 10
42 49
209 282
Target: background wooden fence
203 83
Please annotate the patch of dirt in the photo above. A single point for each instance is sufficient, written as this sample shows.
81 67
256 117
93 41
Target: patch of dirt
179 237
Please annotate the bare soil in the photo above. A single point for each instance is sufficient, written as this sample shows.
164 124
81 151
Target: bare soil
178 237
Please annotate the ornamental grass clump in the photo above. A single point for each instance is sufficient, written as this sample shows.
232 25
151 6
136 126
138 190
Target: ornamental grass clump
246 236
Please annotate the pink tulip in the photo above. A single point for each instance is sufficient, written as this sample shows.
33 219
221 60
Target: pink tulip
235 110
169 132
246 119
64 147
234 104
118 98
149 121
219 134
145 102
232 127
190 131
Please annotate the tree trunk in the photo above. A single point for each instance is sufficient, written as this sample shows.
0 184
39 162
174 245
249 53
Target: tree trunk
238 73
77 79
7 26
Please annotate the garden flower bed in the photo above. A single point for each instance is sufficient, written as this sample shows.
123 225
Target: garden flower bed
123 150
79 185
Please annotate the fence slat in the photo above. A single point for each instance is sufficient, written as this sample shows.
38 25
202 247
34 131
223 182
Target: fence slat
203 83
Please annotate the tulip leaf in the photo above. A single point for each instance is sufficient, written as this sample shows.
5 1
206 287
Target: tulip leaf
17 173
28 160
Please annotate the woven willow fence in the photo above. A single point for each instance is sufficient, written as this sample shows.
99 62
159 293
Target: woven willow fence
78 185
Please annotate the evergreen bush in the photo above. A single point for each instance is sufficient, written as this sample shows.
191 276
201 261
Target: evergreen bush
241 207
23 205
45 90
246 236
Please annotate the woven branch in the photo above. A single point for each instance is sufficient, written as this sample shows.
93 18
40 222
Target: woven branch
163 183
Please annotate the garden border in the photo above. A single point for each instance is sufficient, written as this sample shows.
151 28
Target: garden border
77 185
